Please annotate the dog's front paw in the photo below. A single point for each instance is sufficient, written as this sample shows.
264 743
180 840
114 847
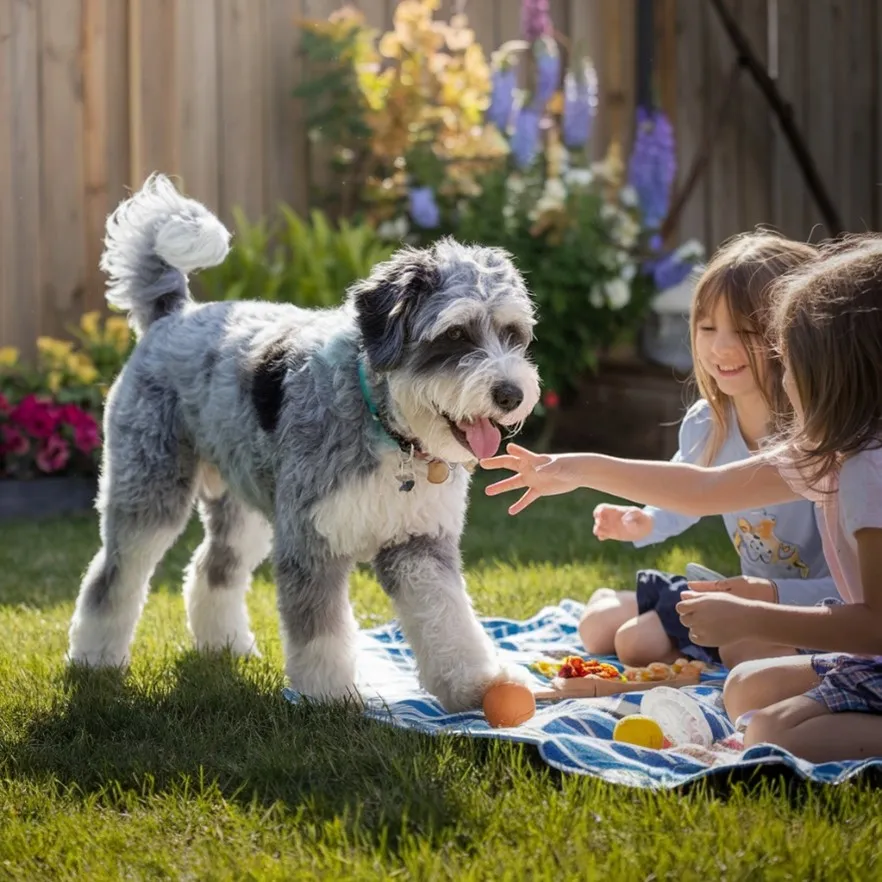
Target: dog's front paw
467 693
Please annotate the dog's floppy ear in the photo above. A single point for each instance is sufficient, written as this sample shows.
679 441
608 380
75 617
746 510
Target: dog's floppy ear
387 298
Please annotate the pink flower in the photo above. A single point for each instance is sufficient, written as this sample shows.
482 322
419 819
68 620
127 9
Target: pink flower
36 417
13 441
53 455
86 437
551 399
5 406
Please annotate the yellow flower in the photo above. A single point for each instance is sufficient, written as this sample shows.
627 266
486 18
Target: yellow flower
8 356
53 381
81 368
89 324
118 333
53 353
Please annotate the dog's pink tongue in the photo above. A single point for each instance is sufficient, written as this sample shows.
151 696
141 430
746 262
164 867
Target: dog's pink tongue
483 437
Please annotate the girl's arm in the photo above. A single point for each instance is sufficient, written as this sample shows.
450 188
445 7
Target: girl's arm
692 439
854 628
682 487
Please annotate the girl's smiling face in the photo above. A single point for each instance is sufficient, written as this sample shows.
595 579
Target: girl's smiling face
722 348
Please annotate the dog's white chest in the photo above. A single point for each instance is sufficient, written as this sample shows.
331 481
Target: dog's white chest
370 512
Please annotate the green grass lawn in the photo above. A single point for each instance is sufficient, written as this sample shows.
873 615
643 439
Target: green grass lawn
190 767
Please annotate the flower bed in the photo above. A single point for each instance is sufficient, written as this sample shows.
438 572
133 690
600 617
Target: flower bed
432 137
50 417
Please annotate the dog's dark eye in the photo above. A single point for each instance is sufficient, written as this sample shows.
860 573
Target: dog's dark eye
455 333
514 334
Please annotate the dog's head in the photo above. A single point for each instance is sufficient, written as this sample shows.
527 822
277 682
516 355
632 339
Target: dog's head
449 327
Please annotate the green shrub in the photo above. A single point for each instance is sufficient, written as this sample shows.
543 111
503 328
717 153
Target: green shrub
309 263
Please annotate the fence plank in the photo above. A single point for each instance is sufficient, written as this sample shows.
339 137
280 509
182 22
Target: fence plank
117 97
790 202
242 105
692 90
876 182
754 136
821 111
198 103
63 258
482 20
723 205
855 85
96 40
24 297
286 145
9 307
153 88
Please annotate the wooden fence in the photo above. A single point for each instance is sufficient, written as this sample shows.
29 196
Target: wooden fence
94 94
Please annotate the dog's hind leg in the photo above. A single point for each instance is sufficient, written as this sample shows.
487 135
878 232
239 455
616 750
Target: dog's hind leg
237 539
140 519
319 631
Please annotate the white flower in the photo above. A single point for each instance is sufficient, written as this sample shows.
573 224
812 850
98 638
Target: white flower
628 231
610 213
515 184
690 251
394 230
579 177
596 298
555 189
553 198
628 196
628 271
618 293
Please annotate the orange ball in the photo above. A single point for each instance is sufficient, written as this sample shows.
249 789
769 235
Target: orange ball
508 704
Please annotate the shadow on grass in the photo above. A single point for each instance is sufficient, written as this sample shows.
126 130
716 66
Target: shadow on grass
217 720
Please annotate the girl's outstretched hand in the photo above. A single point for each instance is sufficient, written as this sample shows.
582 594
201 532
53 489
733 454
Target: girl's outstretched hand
538 474
624 523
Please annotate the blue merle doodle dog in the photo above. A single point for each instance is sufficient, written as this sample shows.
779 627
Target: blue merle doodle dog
331 436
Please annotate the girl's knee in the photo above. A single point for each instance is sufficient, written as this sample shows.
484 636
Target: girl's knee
777 724
601 620
643 640
765 727
743 689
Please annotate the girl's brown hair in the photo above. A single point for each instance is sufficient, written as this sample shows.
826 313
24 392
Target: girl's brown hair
828 324
742 272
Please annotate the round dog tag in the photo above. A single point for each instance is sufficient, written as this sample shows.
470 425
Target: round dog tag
438 471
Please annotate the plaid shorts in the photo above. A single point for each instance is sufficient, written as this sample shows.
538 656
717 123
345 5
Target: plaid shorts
849 683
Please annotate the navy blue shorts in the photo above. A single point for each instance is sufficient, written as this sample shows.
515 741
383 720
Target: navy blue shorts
660 592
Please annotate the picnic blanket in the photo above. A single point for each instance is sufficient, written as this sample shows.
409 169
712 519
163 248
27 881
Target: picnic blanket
573 735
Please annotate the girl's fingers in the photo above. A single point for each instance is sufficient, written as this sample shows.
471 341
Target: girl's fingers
520 452
704 587
515 482
501 462
527 499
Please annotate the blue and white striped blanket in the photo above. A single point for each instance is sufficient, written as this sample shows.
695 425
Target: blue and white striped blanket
573 735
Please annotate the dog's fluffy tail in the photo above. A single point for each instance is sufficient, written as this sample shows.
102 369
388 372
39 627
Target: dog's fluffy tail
153 240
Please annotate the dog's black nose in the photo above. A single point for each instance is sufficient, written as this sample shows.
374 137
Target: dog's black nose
507 396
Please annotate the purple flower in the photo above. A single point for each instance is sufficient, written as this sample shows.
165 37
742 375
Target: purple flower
580 105
535 19
668 270
525 140
547 71
504 80
423 208
653 165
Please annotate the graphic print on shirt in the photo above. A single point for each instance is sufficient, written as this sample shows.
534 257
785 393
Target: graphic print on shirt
758 543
